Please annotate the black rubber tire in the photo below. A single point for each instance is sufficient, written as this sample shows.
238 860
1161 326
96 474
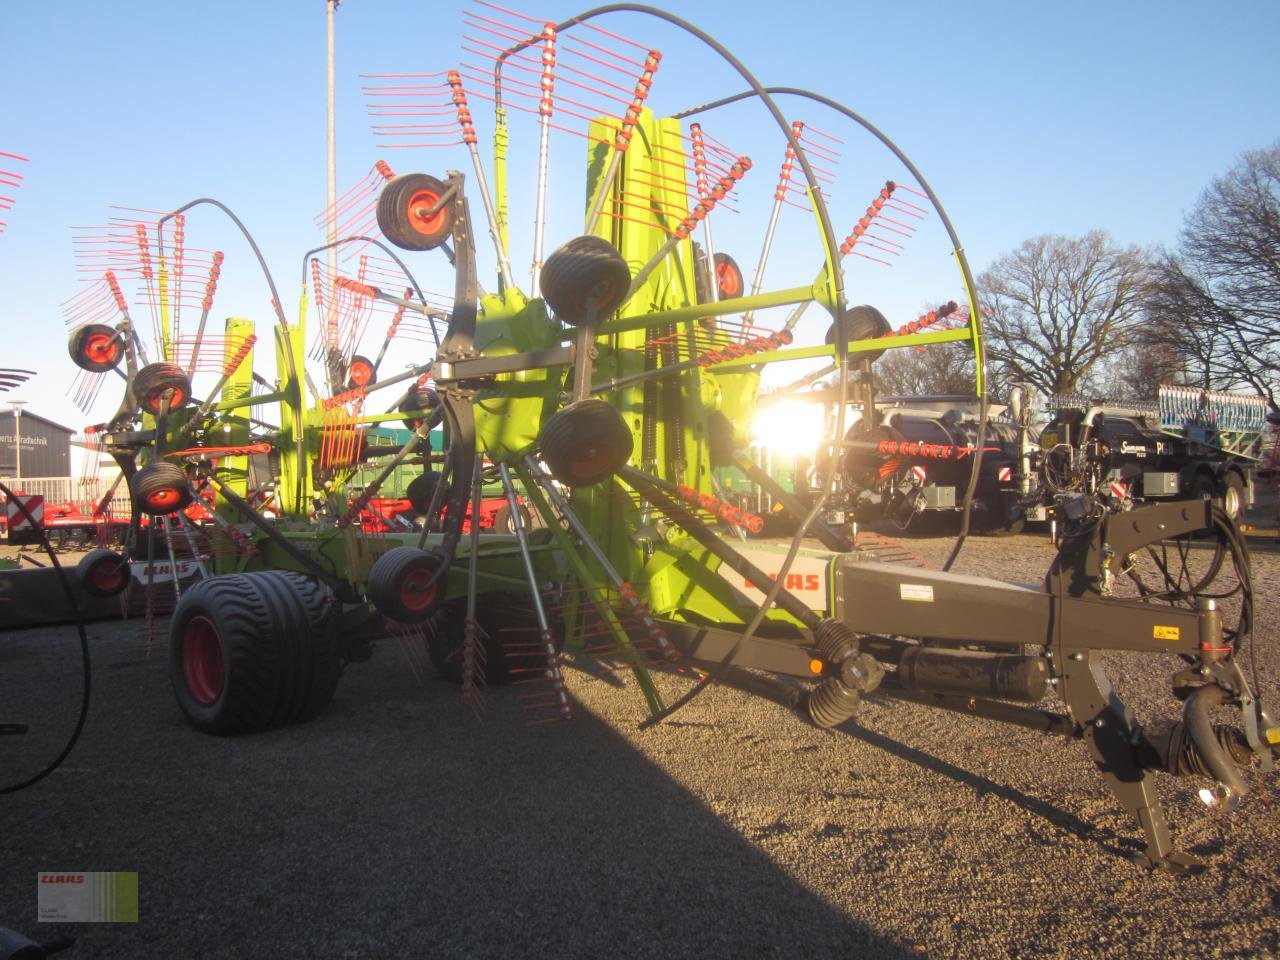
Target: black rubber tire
728 277
250 651
502 520
506 619
103 573
401 205
585 442
160 489
587 278
421 490
397 584
322 659
420 399
994 520
154 381
96 347
1233 496
862 323
1202 486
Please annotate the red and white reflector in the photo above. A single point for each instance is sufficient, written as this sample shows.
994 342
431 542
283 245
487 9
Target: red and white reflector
17 520
1119 490
1004 474
919 472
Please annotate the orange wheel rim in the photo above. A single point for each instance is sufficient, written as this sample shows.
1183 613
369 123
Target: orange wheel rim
177 398
360 373
166 497
420 218
417 592
102 348
592 462
107 574
203 663
729 279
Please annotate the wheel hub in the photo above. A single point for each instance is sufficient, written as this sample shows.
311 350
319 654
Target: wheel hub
203 663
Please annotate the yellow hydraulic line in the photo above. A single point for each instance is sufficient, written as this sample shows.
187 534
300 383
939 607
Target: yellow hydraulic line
698 311
855 346
501 139
975 326
162 283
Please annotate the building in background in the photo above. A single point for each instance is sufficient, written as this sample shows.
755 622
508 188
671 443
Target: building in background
45 446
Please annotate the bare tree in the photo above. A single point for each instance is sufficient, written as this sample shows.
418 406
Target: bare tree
936 368
1220 294
1058 307
1145 364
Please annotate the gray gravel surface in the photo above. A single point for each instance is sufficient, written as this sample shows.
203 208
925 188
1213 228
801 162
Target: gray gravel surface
398 825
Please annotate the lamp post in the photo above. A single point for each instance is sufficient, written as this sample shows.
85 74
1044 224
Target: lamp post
17 406
331 153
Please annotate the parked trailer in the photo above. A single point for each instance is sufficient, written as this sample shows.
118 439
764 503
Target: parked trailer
1187 444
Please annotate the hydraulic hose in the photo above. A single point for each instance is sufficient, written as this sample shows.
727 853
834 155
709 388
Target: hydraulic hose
1209 748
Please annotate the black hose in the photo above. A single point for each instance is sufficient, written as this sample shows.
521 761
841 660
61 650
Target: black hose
65 581
1207 745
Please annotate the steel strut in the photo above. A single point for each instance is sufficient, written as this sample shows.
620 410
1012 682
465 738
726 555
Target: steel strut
455 395
656 633
536 483
470 628
535 593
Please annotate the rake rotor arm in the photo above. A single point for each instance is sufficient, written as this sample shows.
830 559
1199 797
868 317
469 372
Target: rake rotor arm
971 288
302 558
290 359
408 274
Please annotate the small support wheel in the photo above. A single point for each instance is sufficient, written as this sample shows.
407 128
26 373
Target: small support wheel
421 491
360 373
504 520
728 277
420 399
862 323
158 381
1233 496
96 347
103 573
160 489
403 584
587 278
406 212
585 442
509 626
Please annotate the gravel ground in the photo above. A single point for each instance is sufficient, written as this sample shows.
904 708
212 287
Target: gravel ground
398 825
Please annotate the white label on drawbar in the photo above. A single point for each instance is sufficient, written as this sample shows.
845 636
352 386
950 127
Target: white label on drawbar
916 591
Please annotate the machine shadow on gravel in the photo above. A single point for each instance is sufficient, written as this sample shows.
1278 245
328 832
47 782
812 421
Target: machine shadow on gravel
1056 816
397 825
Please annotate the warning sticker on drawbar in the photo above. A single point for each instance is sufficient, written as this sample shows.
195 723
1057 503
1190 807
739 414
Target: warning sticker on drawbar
916 591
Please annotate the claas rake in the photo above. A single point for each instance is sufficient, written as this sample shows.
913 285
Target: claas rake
598 396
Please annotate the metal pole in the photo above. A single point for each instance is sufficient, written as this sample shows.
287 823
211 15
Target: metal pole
17 439
332 145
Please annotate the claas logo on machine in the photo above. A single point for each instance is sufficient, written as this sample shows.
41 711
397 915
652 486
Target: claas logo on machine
795 581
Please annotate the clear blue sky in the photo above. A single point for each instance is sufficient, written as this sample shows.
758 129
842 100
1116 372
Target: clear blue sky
1026 118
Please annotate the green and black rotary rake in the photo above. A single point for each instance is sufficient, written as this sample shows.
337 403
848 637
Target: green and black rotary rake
602 395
